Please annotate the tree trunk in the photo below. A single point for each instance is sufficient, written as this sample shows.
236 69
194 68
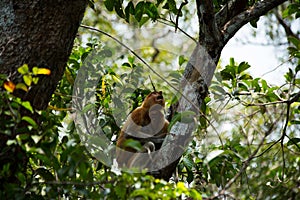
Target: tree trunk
38 33
215 30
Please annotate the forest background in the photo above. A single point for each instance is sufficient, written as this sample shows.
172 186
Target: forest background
246 144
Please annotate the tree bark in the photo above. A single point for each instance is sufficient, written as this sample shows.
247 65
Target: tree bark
38 33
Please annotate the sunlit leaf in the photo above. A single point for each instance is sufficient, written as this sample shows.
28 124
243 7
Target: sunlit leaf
23 69
27 79
243 66
25 104
43 71
22 86
212 155
35 80
9 86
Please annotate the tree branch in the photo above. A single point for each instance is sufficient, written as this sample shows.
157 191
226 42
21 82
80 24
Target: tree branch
260 8
286 27
231 9
247 162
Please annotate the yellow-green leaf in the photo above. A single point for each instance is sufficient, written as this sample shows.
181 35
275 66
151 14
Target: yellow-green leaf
22 86
27 105
27 79
23 69
44 71
69 77
35 80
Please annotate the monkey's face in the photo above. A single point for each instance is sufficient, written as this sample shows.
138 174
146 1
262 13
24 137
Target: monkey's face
154 98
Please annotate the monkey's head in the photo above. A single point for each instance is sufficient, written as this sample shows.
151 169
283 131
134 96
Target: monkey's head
154 98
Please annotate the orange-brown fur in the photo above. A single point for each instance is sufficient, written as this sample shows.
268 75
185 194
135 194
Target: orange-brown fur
145 122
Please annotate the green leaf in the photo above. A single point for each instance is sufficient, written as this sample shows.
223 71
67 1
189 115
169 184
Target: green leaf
151 10
289 75
190 176
23 136
109 4
30 121
171 5
187 116
264 85
106 52
45 174
294 41
242 67
129 10
255 85
246 77
133 144
253 23
228 73
218 89
23 69
212 155
181 60
25 104
21 177
188 162
293 141
175 74
139 11
88 107
295 122
297 69
291 9
119 8
143 21
126 64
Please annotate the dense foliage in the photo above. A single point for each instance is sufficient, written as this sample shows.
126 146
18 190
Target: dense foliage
248 146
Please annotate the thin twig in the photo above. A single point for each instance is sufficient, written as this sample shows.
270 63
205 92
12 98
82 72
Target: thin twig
172 24
152 83
178 13
272 70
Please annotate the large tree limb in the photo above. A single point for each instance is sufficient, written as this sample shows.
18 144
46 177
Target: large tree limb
258 9
231 9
